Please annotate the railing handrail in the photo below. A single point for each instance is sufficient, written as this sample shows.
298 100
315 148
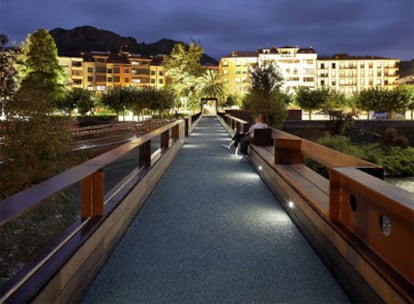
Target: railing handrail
236 119
315 151
18 203
404 198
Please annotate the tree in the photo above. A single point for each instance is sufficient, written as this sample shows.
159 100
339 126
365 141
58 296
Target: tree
33 140
210 85
310 100
42 77
265 96
383 100
117 99
164 100
333 102
8 72
78 98
139 99
407 93
183 68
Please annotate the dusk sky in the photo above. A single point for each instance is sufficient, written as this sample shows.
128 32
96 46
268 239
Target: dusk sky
358 27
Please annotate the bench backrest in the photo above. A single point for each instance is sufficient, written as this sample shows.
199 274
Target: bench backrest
263 137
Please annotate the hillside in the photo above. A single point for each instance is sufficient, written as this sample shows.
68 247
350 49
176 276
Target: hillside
88 38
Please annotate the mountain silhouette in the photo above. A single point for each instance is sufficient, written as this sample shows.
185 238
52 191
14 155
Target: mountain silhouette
88 38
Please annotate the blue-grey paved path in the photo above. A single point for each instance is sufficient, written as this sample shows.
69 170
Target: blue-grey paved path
211 232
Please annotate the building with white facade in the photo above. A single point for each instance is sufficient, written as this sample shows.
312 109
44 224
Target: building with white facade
301 67
297 66
351 74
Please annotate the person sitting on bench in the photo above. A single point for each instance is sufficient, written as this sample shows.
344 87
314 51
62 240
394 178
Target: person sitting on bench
245 138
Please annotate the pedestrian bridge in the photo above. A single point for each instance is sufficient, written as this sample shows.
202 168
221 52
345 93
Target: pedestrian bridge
189 223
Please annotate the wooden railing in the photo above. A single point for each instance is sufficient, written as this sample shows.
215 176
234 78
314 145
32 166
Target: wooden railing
236 124
96 204
371 216
105 137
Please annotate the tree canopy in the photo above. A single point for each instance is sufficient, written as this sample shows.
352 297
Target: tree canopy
33 140
81 99
310 100
210 85
183 68
9 75
383 100
265 96
42 77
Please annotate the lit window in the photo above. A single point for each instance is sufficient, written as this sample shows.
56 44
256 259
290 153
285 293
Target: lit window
100 88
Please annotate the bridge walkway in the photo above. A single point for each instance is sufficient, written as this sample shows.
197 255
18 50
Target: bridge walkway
212 232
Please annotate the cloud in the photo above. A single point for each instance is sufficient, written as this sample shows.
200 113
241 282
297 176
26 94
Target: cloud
379 27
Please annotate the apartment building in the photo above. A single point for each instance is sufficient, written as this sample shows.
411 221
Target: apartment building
235 70
102 71
157 75
297 66
73 69
351 74
301 67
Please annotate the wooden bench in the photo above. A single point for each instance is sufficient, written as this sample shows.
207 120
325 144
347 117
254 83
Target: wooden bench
313 187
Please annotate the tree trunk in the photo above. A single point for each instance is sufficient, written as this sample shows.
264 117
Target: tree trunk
310 114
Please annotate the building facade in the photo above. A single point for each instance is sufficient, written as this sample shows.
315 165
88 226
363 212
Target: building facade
103 71
297 66
73 69
235 71
350 74
301 67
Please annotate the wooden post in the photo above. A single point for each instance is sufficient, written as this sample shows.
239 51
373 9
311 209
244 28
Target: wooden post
245 127
165 138
145 155
175 132
93 195
288 151
187 126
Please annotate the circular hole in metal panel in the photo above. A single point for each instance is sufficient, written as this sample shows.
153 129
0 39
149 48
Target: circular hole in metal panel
385 225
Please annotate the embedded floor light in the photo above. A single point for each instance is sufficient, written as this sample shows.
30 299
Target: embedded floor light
291 204
260 168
